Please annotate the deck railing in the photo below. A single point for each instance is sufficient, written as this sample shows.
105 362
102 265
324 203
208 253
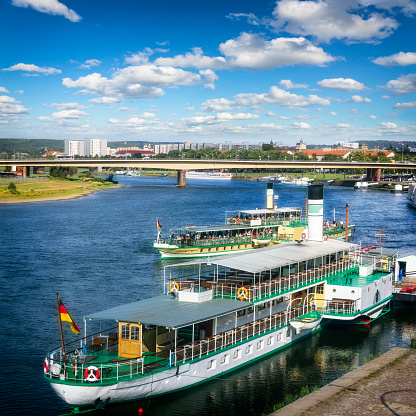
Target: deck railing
79 368
340 307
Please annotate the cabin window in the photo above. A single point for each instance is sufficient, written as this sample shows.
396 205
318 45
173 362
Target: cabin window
250 310
352 292
237 354
212 364
334 290
232 247
224 248
279 336
125 332
320 289
218 248
261 307
260 345
241 313
135 333
200 250
209 249
288 332
249 349
270 341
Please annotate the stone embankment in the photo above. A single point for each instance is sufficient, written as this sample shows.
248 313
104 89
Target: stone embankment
383 386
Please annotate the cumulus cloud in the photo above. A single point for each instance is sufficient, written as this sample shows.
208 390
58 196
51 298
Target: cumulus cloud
314 99
358 99
343 125
144 81
402 85
194 59
9 106
69 114
31 68
341 84
4 90
218 104
401 58
270 114
388 125
301 125
67 106
287 84
53 7
252 51
333 113
348 20
405 106
104 100
219 118
373 117
251 18
133 122
353 111
90 62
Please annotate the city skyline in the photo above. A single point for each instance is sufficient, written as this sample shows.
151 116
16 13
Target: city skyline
229 71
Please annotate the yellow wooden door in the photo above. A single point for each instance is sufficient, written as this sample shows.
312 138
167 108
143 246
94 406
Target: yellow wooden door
130 340
135 340
124 339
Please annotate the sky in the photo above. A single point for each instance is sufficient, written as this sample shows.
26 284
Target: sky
253 71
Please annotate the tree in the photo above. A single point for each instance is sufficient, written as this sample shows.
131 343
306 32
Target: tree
4 155
267 146
12 188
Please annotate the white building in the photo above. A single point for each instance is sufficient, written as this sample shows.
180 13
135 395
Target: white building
75 147
96 147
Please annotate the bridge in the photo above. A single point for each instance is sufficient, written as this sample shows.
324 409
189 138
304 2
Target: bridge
181 166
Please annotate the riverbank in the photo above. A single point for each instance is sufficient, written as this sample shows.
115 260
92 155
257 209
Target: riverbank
384 386
52 190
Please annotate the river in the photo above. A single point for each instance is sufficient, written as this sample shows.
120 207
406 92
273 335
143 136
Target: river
96 251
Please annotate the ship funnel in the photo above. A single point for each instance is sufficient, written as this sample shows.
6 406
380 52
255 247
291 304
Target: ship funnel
269 202
315 212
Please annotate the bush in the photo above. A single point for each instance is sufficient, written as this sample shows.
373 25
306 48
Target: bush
12 188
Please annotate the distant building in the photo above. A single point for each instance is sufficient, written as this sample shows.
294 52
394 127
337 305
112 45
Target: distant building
128 153
349 145
96 147
75 147
301 146
53 153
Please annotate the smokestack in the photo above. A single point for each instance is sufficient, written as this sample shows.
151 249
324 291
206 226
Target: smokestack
315 212
269 202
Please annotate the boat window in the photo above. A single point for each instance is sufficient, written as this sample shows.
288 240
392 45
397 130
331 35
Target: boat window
260 345
225 359
135 333
279 337
241 313
125 333
288 332
270 341
334 290
237 354
320 289
249 349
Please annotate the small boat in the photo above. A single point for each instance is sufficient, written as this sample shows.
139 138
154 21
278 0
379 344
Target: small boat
307 321
208 175
133 173
120 172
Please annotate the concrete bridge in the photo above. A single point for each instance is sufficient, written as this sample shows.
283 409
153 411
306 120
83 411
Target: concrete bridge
181 166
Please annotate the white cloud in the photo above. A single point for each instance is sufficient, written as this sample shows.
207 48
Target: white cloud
353 111
333 19
402 85
287 84
301 125
341 84
251 51
219 118
388 125
134 122
53 7
10 106
67 106
33 69
270 114
19 92
342 125
4 91
194 59
358 99
90 62
69 114
405 106
147 114
251 18
104 100
373 117
144 81
218 104
314 99
401 58
333 113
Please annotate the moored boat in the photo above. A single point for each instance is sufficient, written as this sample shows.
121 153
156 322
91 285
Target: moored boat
216 175
216 315
411 195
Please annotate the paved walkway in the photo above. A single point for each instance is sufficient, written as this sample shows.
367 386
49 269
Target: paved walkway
384 386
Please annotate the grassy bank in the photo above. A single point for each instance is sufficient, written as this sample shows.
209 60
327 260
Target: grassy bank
53 189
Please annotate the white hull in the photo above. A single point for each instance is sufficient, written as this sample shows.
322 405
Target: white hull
208 175
184 376
166 255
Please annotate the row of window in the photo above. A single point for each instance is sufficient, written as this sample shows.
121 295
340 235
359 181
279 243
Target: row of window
225 359
201 250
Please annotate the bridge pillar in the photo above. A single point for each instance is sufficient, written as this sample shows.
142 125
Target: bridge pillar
25 171
378 175
371 174
181 177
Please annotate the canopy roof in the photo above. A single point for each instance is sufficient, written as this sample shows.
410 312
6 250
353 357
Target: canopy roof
276 256
169 312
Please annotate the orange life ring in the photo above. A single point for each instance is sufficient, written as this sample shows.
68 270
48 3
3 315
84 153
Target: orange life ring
242 293
92 374
174 287
238 220
46 366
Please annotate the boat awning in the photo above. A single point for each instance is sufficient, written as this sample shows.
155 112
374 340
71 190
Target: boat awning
273 257
167 311
258 211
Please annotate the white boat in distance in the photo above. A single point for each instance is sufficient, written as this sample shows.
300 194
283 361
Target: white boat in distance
191 174
411 195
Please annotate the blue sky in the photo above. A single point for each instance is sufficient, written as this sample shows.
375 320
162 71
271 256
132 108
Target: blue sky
256 71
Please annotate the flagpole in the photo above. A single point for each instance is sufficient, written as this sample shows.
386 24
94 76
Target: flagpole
60 322
158 229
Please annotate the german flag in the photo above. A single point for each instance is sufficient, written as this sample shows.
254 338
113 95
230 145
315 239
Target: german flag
159 227
66 317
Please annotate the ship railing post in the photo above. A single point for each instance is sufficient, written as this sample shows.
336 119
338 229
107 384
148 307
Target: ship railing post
82 372
101 373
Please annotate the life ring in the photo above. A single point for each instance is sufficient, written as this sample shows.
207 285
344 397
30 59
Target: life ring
46 366
303 236
238 220
174 287
242 293
92 374
326 237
